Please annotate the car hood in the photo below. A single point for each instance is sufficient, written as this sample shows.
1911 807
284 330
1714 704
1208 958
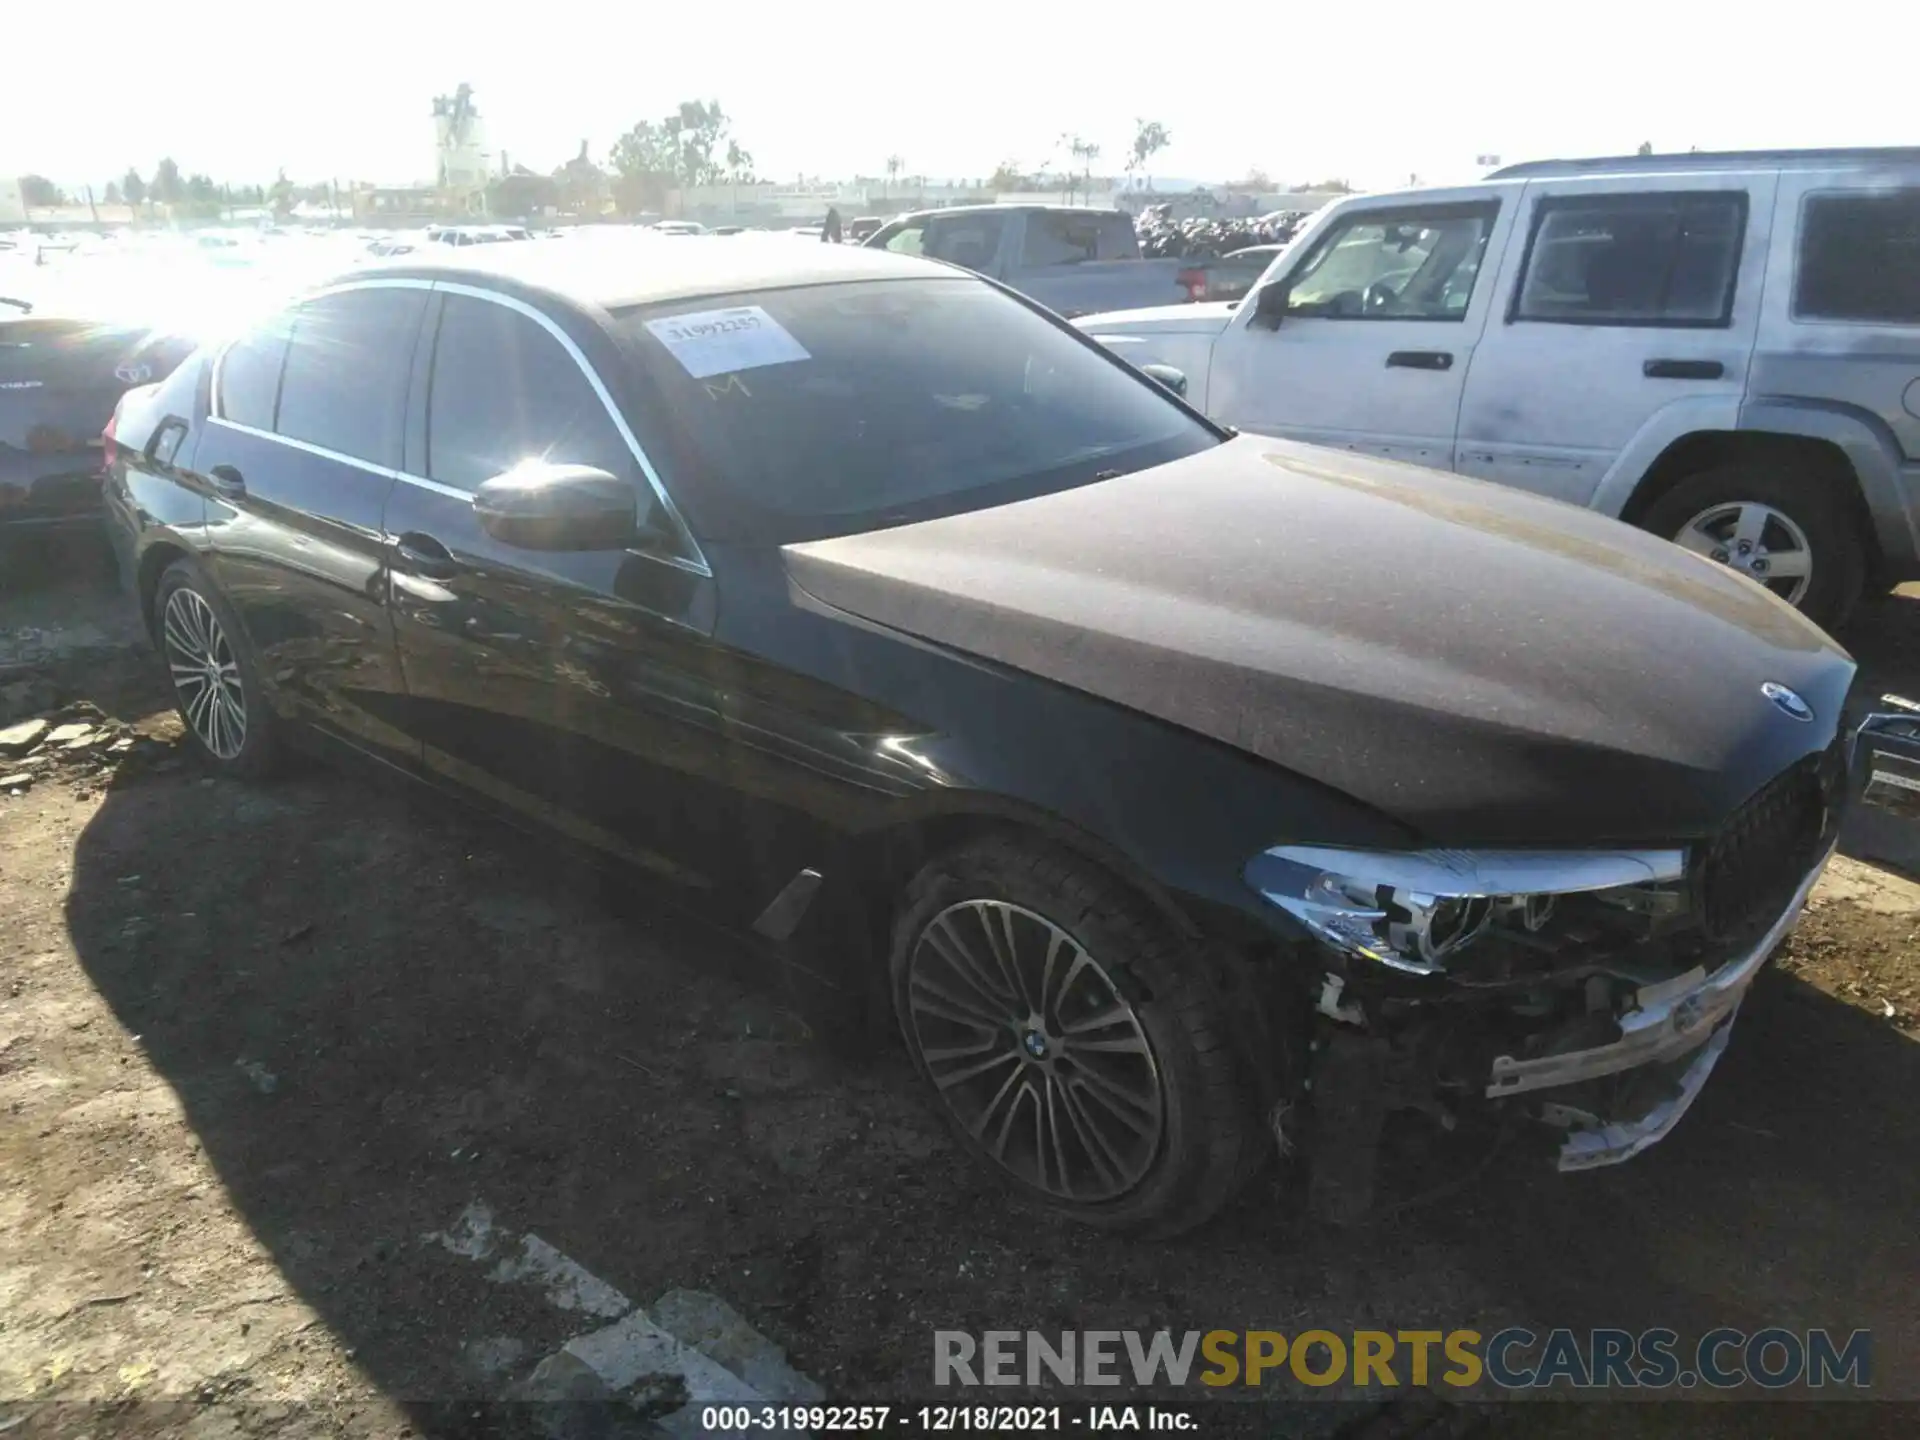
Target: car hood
1206 318
1484 665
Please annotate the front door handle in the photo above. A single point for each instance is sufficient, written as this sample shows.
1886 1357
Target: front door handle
421 554
226 481
1683 369
1420 360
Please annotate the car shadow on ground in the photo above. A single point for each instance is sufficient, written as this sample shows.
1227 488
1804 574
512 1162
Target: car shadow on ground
377 1011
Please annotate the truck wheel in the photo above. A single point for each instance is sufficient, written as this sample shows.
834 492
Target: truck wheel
1075 1045
1788 531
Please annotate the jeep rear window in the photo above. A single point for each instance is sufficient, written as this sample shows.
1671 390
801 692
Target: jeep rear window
1636 259
1860 258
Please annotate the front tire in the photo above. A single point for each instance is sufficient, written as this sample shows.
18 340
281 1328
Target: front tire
1789 530
1075 1044
215 683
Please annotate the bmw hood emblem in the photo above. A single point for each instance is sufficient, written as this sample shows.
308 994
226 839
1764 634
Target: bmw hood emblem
1786 702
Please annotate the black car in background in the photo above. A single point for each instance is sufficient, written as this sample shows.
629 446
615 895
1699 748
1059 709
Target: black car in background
61 374
1175 788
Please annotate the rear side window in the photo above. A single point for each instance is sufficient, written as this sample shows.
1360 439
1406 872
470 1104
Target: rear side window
504 390
1056 239
1648 259
345 388
248 377
1860 258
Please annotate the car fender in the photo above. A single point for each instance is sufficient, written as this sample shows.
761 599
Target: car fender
1890 486
1672 422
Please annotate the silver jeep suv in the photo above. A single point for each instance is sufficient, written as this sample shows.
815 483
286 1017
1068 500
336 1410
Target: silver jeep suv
1721 348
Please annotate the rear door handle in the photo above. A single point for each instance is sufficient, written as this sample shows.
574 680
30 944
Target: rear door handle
1683 369
421 554
226 481
1420 360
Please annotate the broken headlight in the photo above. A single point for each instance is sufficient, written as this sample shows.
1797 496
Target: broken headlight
1411 910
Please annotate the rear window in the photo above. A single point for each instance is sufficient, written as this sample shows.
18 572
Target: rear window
1860 258
825 410
1639 259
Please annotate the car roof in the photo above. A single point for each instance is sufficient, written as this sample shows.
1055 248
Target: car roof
1865 156
624 268
1013 209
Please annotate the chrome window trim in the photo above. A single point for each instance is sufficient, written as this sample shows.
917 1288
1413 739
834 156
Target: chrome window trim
695 559
306 445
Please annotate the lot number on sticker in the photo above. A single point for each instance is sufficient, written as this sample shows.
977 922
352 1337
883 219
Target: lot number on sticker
713 342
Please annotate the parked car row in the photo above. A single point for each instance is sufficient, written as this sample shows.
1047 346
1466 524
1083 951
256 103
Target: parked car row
870 606
1722 349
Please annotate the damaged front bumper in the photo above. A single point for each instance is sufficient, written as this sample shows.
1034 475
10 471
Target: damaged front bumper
1679 1026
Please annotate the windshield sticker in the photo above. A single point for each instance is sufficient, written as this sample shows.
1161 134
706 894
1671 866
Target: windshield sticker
713 342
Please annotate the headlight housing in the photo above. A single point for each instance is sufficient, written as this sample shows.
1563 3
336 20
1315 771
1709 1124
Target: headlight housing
1412 910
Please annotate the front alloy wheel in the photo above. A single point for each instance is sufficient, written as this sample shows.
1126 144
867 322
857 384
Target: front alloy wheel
206 674
1077 1043
1034 1051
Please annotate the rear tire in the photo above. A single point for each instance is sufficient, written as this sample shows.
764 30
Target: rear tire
230 727
1705 508
1077 1046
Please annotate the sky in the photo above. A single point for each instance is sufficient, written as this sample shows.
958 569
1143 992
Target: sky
1373 93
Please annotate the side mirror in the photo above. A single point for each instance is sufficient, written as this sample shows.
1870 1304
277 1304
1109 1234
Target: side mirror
540 506
1174 380
1270 304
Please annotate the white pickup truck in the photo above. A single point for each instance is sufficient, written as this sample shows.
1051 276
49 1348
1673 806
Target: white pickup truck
1723 349
1073 259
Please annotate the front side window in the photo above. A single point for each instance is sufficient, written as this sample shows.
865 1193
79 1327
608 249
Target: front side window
909 237
795 414
1648 259
249 374
1055 239
1407 265
1860 258
505 390
346 380
971 240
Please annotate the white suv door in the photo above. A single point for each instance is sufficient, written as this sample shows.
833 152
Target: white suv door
1384 307
1628 312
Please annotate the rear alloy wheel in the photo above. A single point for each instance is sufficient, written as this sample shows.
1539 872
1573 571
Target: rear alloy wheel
1790 531
1074 1042
226 718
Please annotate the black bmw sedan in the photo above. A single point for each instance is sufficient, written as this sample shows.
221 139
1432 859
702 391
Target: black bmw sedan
1174 790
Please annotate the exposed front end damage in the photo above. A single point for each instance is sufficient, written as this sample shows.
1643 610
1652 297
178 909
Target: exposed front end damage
1593 992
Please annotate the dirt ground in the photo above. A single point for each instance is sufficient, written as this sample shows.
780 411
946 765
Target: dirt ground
260 1048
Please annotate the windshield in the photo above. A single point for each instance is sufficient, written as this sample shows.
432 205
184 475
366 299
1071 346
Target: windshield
830 409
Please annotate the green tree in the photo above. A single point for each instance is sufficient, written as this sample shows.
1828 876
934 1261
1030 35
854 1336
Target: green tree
1150 137
281 195
133 187
643 163
1646 148
167 187
522 194
39 190
739 164
112 196
697 128
1006 176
